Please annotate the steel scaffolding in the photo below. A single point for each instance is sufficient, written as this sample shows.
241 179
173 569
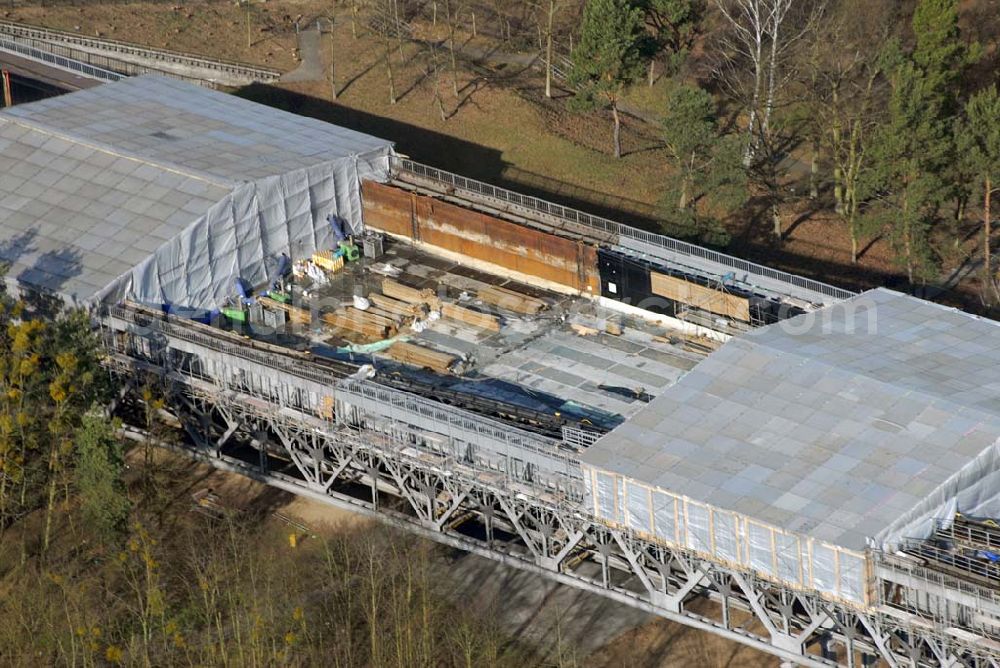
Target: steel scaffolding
418 481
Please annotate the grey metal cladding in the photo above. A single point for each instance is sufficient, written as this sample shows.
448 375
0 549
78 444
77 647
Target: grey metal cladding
94 182
848 416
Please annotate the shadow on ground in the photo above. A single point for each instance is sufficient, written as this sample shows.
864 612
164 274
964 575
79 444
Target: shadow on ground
486 164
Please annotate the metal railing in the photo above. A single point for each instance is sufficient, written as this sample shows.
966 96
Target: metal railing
234 68
968 533
61 61
948 586
955 559
580 438
600 224
454 418
93 65
302 369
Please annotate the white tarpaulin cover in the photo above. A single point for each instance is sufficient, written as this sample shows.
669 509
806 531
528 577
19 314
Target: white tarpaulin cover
728 537
856 426
165 192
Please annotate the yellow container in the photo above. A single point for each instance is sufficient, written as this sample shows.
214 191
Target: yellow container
328 261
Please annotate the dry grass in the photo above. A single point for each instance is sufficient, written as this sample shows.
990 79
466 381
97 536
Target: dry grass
499 129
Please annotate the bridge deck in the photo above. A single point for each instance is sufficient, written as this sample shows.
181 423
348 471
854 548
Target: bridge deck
47 74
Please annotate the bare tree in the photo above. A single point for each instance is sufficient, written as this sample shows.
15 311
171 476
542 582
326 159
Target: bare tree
452 9
384 28
759 37
553 6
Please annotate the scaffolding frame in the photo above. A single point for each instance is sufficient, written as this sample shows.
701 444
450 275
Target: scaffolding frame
514 520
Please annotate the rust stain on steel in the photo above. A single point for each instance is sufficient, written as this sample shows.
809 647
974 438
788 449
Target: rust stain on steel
387 208
477 235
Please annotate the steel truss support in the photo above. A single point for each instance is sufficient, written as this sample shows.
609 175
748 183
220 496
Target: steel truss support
454 504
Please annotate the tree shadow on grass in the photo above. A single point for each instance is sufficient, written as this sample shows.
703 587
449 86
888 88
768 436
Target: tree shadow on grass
750 238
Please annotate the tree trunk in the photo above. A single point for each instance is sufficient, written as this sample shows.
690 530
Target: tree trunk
50 504
388 71
851 209
814 170
837 154
399 30
333 60
751 148
451 45
249 38
652 72
548 50
989 286
438 102
907 242
618 129
776 219
354 18
772 67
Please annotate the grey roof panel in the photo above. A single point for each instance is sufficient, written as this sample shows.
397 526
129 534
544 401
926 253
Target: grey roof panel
846 417
92 182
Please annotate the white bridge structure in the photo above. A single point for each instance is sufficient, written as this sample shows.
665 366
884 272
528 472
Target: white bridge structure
782 479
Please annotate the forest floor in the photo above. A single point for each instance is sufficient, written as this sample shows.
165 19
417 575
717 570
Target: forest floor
562 625
499 128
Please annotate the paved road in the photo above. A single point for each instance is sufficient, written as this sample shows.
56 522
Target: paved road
311 51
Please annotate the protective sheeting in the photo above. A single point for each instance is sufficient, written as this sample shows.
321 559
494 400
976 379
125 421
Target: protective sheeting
665 516
857 425
974 491
239 235
165 192
729 537
637 507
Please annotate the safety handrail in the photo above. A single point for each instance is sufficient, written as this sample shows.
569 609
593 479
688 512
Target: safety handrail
254 72
608 226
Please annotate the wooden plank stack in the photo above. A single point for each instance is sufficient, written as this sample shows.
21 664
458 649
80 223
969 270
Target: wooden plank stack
362 322
405 293
511 300
409 353
328 261
395 306
470 317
